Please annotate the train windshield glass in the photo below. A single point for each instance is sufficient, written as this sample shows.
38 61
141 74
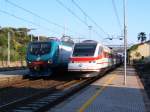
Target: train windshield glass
39 48
84 50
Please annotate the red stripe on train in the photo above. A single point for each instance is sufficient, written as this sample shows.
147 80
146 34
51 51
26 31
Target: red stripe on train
37 63
85 58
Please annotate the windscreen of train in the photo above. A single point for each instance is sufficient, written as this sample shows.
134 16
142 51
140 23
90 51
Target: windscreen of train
84 49
39 48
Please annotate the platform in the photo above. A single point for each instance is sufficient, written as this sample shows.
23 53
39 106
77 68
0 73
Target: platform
13 73
109 94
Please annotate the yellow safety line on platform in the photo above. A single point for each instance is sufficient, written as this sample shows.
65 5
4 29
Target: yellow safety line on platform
87 104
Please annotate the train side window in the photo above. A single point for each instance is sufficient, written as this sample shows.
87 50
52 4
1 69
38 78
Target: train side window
60 48
100 50
111 56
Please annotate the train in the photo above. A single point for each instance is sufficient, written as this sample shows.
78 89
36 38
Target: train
90 59
43 58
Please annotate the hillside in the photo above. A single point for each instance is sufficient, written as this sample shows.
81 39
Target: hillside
18 43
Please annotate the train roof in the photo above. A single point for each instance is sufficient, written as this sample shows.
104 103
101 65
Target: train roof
65 43
85 43
89 41
40 42
53 40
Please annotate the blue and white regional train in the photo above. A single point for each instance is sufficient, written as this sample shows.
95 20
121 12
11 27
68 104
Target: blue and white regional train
43 58
90 59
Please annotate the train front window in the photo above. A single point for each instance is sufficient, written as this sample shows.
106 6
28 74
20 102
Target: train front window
84 50
39 48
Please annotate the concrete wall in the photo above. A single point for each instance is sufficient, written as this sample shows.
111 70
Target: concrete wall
12 64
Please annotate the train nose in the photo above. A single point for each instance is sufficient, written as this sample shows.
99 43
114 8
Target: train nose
49 61
37 64
80 65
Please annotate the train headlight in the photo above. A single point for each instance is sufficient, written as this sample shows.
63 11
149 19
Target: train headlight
29 62
49 62
92 61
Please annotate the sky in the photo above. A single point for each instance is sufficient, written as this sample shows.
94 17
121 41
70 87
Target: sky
75 23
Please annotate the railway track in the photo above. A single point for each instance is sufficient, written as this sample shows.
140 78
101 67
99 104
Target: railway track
44 100
6 83
24 88
43 94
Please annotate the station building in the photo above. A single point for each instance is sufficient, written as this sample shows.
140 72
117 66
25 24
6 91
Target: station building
139 51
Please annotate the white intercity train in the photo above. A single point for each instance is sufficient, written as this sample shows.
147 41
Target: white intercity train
90 58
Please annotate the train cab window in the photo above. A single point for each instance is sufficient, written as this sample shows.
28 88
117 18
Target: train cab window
84 49
39 48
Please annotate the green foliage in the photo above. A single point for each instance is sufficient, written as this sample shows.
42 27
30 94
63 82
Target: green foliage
3 53
134 47
14 55
18 43
3 40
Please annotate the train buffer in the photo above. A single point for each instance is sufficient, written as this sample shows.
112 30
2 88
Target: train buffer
109 94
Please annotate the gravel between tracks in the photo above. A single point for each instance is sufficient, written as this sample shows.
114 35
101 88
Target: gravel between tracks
28 88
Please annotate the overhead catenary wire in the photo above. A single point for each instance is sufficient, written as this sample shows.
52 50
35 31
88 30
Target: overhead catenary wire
69 10
116 14
85 14
32 13
97 33
75 15
22 19
38 16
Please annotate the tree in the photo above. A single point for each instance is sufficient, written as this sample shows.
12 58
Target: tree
18 42
142 37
